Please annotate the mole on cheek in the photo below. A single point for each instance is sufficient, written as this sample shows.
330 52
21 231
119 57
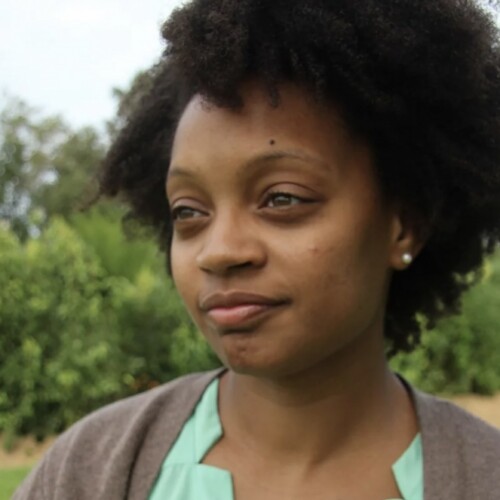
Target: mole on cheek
272 142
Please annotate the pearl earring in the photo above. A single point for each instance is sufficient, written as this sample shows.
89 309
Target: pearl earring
407 258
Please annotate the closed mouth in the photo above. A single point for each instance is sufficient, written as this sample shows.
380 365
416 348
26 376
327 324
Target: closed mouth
236 311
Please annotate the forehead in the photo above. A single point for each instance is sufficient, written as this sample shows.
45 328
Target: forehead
298 122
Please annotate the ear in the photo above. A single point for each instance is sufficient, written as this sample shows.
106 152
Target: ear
407 240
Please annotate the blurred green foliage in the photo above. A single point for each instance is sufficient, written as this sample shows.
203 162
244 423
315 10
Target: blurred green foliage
74 336
46 168
87 314
462 354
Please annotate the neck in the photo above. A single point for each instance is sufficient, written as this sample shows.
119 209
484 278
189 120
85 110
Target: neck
345 402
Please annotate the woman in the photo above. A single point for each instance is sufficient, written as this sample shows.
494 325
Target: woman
324 176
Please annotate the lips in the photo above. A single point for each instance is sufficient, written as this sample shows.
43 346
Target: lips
238 309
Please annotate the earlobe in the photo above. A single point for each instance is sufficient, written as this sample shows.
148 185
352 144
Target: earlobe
405 244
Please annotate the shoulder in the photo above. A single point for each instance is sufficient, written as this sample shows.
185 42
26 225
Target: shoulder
176 396
461 451
118 449
135 415
449 419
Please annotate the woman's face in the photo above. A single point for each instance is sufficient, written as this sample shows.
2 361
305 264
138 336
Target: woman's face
283 245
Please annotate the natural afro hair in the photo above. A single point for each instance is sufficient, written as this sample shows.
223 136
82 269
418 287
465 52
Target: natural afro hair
418 80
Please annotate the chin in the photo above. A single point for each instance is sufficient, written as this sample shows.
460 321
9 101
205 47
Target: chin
259 366
258 370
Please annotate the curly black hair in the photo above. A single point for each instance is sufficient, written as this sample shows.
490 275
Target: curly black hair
419 80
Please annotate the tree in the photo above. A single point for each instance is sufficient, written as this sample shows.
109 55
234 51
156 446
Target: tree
46 168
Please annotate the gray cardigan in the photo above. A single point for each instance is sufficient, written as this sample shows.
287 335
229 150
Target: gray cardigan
117 452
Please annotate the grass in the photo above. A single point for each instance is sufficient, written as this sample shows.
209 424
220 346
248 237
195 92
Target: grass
10 480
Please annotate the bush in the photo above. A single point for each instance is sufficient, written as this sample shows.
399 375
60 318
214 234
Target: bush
55 350
73 338
462 354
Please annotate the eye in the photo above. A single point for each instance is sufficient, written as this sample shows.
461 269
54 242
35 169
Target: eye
282 199
184 212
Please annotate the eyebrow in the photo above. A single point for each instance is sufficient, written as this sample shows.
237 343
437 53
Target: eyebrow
178 171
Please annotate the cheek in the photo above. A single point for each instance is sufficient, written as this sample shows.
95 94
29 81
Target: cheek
331 279
183 277
345 280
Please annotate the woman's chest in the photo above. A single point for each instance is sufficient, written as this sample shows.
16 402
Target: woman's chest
254 476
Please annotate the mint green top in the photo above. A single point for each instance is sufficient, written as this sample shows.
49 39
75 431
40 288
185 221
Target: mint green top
183 477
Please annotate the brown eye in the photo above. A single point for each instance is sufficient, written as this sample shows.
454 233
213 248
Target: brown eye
277 200
185 213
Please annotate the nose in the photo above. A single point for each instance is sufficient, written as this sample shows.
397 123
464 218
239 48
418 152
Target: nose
231 243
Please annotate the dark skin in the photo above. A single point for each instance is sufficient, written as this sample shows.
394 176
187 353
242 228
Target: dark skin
284 203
